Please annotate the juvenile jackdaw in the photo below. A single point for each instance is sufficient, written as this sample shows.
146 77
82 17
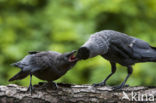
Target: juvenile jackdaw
117 48
45 65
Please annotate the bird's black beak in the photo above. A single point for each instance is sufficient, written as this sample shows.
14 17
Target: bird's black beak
83 53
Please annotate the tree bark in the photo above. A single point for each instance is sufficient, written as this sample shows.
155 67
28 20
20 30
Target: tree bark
67 93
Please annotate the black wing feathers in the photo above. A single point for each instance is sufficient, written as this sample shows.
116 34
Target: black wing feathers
20 75
33 52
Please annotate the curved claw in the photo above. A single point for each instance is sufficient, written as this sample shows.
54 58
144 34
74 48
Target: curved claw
117 87
53 85
30 89
99 84
120 87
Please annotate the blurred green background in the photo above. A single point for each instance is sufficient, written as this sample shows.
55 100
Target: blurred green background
64 25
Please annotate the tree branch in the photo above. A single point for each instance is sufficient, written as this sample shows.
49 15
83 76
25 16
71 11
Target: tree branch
74 93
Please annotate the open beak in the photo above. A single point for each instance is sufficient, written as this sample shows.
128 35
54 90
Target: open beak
72 57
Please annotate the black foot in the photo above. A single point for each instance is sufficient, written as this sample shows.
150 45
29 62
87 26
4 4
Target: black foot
126 85
117 87
120 87
30 89
99 84
53 85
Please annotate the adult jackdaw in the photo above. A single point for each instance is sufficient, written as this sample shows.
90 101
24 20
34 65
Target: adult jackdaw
117 48
45 65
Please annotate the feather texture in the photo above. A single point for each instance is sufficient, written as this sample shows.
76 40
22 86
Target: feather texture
117 47
44 65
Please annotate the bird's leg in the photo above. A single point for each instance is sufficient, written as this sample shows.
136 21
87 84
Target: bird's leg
113 68
52 84
130 70
30 88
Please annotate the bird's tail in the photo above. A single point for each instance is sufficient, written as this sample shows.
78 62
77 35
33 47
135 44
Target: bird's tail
20 75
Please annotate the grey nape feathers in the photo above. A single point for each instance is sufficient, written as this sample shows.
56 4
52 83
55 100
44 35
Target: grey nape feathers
44 65
117 48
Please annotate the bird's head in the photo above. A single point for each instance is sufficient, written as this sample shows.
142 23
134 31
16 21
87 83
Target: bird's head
83 53
67 60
